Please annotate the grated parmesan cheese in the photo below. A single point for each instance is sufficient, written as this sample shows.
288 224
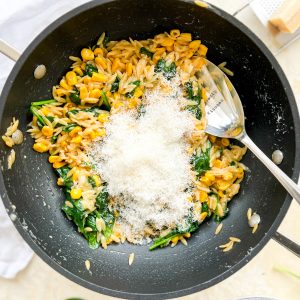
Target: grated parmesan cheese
145 163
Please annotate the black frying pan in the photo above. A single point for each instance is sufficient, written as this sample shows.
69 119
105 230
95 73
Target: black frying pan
169 272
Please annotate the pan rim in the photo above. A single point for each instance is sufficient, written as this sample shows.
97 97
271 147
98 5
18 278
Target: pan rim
177 293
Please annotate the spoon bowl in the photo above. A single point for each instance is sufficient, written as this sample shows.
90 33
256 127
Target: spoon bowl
225 118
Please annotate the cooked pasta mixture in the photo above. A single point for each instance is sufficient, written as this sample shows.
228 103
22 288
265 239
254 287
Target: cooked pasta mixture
125 134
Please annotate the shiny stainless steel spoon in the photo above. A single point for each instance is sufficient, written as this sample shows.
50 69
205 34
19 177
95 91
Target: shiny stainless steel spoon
225 118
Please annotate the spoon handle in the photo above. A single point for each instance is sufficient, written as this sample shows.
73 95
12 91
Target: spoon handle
287 182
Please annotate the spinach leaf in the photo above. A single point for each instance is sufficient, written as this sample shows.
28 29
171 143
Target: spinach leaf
92 239
105 213
40 119
76 213
91 181
94 109
89 69
63 172
147 52
115 86
194 109
219 218
75 98
164 241
43 102
130 94
232 163
168 72
69 127
201 161
54 139
205 208
105 101
105 42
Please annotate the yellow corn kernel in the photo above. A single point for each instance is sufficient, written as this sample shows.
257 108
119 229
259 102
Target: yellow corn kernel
54 158
87 54
103 118
221 194
175 33
98 51
76 193
71 78
218 163
203 216
97 180
78 71
240 174
203 196
99 77
59 92
47 131
83 66
205 180
83 92
40 147
132 102
223 185
204 95
129 69
225 142
64 85
87 80
210 176
58 164
212 138
93 135
101 62
227 176
108 94
45 111
116 64
75 175
202 50
101 132
77 139
64 144
175 239
138 92
170 48
187 235
95 93
167 42
194 44
187 37
74 131
60 181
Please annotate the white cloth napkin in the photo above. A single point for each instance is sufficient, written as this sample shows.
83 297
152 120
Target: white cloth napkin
20 22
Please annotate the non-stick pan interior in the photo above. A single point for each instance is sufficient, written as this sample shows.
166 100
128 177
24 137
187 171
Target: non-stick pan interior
31 184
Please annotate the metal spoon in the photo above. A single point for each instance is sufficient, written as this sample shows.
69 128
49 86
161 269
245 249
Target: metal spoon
225 118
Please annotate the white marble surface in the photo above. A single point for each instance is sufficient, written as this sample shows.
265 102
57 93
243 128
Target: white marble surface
258 278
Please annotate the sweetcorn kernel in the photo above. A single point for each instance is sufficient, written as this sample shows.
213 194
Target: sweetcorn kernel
98 51
78 71
194 44
225 142
74 131
87 54
97 180
77 139
76 193
47 131
40 147
103 118
99 77
60 181
71 78
95 93
58 164
175 33
101 62
227 176
54 158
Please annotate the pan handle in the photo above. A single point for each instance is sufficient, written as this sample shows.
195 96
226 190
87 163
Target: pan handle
9 51
287 243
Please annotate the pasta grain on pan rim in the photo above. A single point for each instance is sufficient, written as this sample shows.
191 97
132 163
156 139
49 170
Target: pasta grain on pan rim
128 81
